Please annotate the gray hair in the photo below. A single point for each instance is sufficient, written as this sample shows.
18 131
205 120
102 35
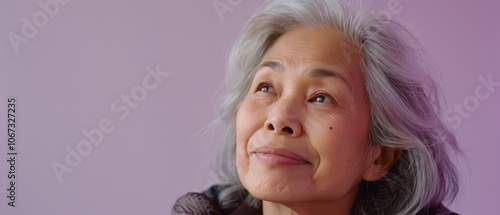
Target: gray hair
403 98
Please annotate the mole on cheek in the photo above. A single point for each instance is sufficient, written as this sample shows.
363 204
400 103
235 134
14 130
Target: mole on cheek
330 127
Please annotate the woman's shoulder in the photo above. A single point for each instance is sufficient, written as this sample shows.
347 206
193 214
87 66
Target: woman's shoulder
199 203
442 210
207 203
438 210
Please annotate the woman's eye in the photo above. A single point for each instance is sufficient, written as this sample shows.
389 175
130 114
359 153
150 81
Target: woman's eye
264 88
322 99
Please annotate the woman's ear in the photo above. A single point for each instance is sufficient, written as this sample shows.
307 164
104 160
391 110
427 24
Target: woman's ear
380 161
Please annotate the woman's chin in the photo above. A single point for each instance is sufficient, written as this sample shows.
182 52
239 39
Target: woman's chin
276 186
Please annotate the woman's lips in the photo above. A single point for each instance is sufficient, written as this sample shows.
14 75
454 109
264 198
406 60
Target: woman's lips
274 156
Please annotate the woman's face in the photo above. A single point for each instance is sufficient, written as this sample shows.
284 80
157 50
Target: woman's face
302 130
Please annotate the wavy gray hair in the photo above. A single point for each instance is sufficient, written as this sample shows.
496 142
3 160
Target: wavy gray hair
403 97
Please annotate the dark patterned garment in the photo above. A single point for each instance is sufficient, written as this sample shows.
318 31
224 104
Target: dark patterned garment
206 204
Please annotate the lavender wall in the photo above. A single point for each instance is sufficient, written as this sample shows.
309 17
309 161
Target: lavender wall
140 80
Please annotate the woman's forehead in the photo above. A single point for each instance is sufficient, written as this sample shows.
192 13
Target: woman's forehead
316 43
316 47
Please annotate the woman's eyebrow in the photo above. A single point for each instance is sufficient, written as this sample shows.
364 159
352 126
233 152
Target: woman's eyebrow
313 73
276 66
321 73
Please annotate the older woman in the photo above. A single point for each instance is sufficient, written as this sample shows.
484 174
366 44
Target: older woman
330 112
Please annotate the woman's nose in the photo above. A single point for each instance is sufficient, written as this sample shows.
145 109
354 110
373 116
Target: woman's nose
284 119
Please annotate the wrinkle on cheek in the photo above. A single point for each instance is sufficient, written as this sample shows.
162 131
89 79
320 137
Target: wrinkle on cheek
317 122
321 122
354 121
279 186
242 168
242 132
326 170
242 156
258 105
260 137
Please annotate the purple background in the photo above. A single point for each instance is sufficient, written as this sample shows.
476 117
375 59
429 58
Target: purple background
91 52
